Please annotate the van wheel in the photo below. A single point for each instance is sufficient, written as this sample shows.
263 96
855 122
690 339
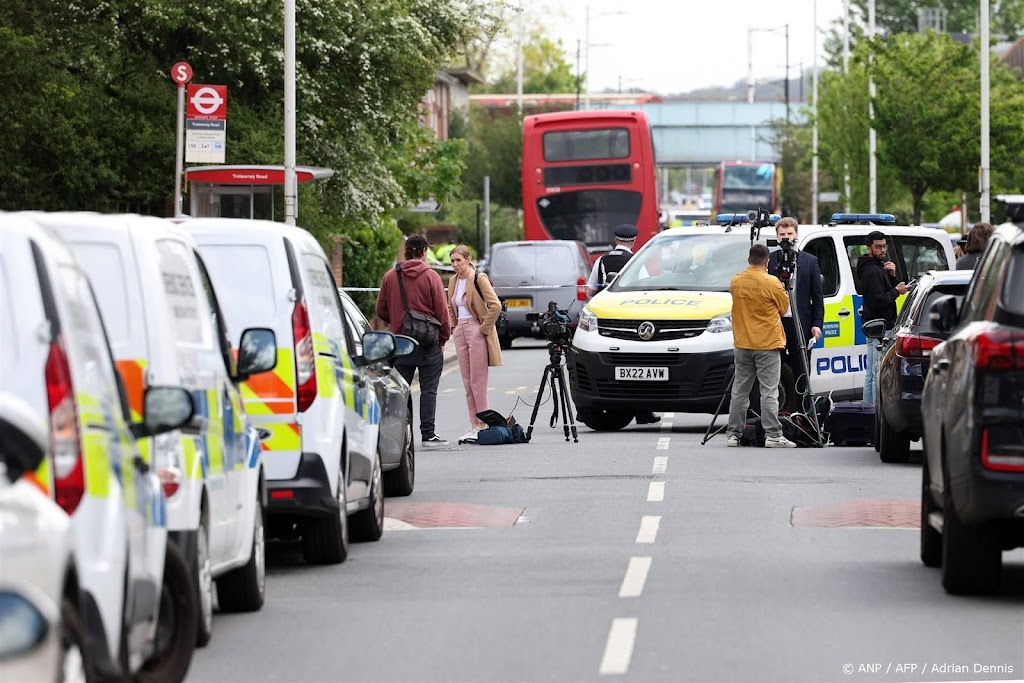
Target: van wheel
244 589
74 661
204 585
931 540
605 420
325 541
505 341
176 625
368 524
401 481
972 561
893 446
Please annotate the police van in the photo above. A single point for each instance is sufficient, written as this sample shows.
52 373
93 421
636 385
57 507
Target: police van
660 338
166 327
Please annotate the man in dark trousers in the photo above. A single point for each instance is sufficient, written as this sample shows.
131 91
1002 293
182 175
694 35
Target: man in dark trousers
425 293
806 292
876 277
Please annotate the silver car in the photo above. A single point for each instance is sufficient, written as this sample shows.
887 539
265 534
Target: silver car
528 275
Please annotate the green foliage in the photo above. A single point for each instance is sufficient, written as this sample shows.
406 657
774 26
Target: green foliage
495 150
545 69
505 223
900 16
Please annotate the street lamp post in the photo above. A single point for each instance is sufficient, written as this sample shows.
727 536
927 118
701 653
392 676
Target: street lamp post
291 189
872 141
814 134
985 179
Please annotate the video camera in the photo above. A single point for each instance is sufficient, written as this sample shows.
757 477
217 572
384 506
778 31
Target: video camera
787 260
554 323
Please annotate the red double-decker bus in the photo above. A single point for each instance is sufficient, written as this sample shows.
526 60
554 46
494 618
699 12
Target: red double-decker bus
741 186
586 172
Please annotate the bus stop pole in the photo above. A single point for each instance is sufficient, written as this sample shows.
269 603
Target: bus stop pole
487 218
291 198
179 150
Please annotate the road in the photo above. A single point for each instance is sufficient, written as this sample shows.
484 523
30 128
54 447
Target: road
640 556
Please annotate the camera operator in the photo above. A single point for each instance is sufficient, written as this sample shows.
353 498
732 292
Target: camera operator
806 292
758 302
877 278
609 265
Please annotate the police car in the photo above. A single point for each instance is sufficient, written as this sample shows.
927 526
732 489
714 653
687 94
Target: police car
660 336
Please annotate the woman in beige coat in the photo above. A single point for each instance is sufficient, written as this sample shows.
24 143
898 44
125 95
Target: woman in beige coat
473 308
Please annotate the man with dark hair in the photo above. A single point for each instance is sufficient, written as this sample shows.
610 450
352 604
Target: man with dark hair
806 292
758 302
424 293
876 277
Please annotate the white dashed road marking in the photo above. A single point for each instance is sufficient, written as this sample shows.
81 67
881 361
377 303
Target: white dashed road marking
666 426
660 464
663 443
636 577
619 648
656 492
648 529
668 416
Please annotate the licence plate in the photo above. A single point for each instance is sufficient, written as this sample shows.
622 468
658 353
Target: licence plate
642 374
518 303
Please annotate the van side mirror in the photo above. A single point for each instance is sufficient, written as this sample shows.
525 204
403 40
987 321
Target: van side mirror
943 314
378 346
404 346
257 352
24 437
24 626
164 409
874 329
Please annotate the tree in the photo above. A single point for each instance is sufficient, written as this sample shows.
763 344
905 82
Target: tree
900 16
544 68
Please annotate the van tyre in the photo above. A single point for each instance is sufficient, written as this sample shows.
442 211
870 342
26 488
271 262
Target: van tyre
325 541
203 581
244 589
176 625
605 420
893 446
368 524
401 481
931 540
74 658
972 561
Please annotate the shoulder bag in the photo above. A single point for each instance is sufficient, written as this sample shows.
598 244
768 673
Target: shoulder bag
425 329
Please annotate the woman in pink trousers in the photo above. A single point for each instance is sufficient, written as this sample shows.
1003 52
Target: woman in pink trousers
473 308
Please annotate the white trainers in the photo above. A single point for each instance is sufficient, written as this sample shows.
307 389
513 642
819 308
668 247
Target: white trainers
733 442
778 442
469 436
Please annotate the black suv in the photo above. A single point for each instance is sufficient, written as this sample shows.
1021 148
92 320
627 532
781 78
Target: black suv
904 362
972 490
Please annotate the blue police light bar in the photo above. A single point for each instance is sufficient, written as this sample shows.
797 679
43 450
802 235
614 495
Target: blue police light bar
738 218
876 218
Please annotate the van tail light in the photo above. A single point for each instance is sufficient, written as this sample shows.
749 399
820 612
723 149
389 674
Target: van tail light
168 461
1001 449
581 289
1001 349
915 345
305 359
65 441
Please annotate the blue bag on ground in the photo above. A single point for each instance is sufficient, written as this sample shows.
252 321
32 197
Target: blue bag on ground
500 430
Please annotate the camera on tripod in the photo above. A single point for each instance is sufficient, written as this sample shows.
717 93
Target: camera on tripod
554 324
787 260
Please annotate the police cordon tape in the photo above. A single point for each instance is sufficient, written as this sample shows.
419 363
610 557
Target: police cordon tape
377 289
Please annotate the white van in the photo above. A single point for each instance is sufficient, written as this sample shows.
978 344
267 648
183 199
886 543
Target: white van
321 457
166 328
54 356
660 337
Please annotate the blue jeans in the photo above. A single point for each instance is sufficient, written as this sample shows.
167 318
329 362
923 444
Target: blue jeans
871 371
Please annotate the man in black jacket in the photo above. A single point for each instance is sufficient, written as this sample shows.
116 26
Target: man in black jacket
806 292
876 276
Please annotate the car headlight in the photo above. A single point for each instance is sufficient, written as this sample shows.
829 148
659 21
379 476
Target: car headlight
588 321
720 323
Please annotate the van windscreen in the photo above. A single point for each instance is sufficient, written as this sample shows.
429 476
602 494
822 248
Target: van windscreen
244 282
542 264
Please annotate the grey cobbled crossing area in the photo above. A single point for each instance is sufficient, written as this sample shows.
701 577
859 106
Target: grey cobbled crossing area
637 555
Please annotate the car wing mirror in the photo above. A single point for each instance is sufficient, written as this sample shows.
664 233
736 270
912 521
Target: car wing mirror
257 352
164 409
943 314
874 329
378 346
404 346
24 437
24 626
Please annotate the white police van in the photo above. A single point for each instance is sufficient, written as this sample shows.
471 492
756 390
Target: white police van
660 338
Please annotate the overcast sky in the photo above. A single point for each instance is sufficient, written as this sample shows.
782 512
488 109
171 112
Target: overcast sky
671 46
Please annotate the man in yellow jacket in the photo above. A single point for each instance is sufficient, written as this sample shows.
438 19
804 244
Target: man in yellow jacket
758 302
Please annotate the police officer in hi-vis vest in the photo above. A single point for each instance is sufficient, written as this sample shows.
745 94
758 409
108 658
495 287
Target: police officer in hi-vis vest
605 270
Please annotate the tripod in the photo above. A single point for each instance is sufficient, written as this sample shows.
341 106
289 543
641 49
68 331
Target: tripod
554 377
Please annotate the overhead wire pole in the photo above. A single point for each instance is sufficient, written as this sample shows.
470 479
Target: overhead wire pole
872 141
586 62
846 70
291 189
985 58
519 62
814 133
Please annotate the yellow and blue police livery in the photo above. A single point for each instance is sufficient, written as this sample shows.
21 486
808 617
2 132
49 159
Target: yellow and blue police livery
660 336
